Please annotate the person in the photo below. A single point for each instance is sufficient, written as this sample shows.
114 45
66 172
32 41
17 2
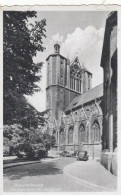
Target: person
77 155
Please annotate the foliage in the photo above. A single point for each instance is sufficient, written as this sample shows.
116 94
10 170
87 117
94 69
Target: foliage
27 143
21 41
48 140
30 151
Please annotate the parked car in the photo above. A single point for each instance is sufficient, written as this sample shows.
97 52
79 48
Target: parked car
68 154
74 154
63 153
83 155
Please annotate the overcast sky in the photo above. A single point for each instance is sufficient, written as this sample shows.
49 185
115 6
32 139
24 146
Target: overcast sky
77 32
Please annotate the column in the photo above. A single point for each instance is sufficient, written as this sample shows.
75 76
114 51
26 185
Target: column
89 131
56 136
75 84
111 133
67 135
58 139
81 86
68 74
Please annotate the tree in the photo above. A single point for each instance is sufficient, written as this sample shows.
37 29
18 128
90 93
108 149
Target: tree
26 143
21 41
48 140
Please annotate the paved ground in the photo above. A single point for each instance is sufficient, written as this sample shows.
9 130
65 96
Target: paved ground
47 176
92 173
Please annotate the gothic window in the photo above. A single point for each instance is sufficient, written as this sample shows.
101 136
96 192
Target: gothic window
65 74
80 86
74 83
82 134
95 134
71 80
70 135
62 139
77 84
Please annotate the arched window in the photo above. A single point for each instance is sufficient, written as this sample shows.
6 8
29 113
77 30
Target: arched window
71 82
77 84
82 134
70 135
62 138
95 135
80 86
74 84
54 132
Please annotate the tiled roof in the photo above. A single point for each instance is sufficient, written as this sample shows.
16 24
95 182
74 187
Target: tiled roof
90 95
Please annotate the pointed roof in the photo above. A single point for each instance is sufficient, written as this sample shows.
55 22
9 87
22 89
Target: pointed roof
81 66
76 60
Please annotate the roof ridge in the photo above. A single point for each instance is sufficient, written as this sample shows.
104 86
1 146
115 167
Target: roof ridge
82 97
93 88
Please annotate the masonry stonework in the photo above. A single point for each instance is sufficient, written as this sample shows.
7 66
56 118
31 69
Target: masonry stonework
75 110
109 65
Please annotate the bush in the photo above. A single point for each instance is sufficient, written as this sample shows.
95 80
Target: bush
30 151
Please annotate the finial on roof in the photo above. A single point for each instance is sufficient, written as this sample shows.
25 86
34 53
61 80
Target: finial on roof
76 54
57 48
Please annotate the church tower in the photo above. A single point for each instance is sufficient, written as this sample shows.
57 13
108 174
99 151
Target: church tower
65 81
56 81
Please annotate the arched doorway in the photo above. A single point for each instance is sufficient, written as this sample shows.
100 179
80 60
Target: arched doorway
70 135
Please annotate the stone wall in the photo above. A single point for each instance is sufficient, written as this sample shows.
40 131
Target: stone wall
87 140
109 64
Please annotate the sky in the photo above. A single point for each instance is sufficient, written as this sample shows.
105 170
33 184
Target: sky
78 33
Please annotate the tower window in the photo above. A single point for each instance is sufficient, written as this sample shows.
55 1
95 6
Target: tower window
74 83
80 86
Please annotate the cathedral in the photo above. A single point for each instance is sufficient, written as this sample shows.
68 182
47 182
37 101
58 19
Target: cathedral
74 107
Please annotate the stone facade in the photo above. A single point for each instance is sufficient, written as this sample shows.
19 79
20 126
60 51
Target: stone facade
81 128
64 82
109 65
75 108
